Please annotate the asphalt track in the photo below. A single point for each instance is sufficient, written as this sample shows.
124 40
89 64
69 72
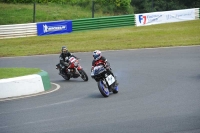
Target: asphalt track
159 92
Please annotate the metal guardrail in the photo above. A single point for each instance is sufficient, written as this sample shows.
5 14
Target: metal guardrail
197 13
103 22
18 30
30 29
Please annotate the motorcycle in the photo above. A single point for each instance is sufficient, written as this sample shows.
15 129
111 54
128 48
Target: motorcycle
105 80
73 70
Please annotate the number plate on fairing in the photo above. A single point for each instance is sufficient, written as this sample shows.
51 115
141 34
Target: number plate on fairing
110 79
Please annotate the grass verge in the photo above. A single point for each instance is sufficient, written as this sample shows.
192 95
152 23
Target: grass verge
16 72
23 13
131 37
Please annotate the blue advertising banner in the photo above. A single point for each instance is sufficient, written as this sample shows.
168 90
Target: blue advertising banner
56 27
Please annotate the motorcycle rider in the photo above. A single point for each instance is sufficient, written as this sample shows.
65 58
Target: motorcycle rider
99 59
64 62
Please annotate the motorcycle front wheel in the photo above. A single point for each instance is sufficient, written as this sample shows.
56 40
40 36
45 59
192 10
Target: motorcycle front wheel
83 75
104 91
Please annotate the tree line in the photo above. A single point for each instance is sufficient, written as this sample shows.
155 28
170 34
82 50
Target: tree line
122 6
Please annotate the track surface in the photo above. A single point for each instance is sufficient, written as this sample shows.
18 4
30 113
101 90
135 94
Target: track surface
159 92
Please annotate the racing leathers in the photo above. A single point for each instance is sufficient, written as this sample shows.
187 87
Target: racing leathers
106 64
64 62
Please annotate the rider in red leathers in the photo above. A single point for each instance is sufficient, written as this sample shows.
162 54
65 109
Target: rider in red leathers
99 59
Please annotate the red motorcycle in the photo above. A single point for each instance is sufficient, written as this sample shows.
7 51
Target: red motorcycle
74 70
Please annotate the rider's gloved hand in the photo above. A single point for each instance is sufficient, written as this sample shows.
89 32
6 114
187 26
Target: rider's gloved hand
107 66
92 69
66 64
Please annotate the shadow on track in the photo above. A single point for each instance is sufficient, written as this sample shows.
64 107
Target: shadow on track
69 81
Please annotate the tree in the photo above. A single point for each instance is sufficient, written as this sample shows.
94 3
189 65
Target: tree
142 6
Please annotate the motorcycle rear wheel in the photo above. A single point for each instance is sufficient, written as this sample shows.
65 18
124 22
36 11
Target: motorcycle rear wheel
104 91
66 77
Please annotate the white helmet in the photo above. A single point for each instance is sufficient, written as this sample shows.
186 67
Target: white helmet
97 55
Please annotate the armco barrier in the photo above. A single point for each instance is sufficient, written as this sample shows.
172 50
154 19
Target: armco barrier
103 22
26 30
197 13
18 30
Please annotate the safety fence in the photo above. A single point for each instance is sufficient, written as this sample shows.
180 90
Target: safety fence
103 22
197 13
18 30
31 29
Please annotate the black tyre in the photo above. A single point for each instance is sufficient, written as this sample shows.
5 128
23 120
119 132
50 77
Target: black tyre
66 77
83 75
115 90
104 91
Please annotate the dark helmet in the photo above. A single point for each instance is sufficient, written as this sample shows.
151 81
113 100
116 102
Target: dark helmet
64 50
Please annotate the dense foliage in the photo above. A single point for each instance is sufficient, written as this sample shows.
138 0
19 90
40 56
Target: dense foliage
122 6
143 6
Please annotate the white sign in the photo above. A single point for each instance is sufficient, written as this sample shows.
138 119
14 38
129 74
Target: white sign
110 79
164 17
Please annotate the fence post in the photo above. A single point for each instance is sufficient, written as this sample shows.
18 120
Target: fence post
34 12
92 8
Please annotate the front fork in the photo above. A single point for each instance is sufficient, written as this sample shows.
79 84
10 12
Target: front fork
105 83
78 68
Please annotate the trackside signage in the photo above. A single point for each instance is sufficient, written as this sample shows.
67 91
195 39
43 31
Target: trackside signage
164 17
57 27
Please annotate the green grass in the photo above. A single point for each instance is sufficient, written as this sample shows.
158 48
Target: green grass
23 13
16 72
162 35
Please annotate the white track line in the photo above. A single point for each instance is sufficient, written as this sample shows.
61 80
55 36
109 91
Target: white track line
32 95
